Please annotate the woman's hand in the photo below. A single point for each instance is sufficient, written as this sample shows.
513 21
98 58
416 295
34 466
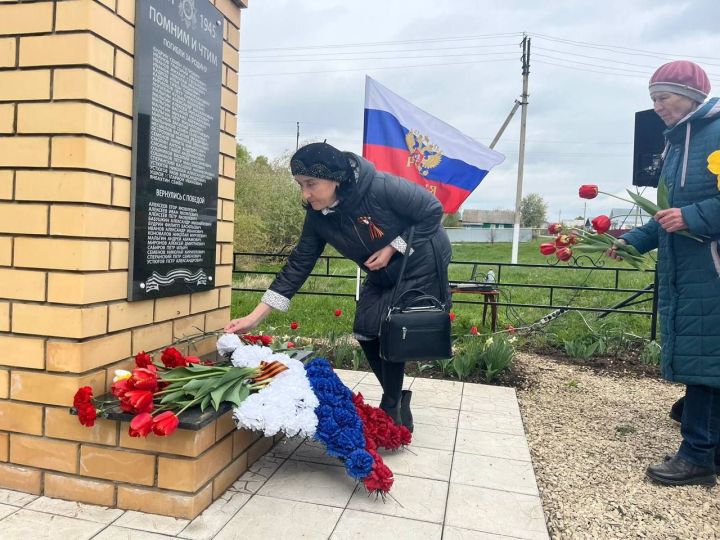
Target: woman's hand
380 259
671 220
244 324
612 252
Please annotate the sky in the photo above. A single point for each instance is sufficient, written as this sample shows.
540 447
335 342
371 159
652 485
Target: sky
459 60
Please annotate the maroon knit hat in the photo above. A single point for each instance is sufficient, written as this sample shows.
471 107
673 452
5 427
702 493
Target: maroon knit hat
681 77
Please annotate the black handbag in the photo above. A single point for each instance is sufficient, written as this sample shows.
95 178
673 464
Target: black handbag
417 328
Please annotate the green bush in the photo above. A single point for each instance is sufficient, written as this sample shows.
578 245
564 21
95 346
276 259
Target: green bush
651 353
497 355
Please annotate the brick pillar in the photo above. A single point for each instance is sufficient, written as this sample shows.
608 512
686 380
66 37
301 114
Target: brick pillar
66 98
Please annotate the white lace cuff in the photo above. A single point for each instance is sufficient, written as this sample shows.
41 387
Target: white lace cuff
275 300
400 245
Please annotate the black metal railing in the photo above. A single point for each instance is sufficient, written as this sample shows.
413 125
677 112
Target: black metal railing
636 296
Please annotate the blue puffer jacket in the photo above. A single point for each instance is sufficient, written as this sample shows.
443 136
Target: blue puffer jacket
689 271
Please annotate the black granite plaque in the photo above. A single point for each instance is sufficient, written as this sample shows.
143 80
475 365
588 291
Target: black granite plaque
176 138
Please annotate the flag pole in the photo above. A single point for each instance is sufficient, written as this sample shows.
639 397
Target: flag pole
521 156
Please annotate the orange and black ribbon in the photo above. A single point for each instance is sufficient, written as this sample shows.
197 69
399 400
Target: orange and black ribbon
375 231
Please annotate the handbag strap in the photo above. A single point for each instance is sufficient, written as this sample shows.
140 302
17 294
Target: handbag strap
441 274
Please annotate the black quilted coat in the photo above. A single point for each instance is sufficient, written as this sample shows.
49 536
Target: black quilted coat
372 212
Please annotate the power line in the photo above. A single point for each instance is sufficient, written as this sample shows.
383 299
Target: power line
378 43
374 68
475 46
464 55
620 50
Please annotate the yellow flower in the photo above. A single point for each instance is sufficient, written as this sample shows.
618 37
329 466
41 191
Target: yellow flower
121 374
714 164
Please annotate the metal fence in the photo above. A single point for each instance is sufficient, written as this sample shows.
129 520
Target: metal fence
638 301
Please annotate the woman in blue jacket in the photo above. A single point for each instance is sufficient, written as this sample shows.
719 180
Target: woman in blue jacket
688 270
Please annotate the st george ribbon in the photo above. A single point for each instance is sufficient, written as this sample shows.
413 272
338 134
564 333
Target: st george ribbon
403 140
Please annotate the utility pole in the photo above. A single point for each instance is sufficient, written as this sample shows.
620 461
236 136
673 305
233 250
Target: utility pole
297 137
521 156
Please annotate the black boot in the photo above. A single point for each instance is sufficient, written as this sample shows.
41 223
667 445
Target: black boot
677 409
405 412
392 408
668 457
680 472
371 348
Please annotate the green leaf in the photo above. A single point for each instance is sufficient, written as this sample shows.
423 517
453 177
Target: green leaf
204 403
172 396
239 393
218 392
662 195
650 207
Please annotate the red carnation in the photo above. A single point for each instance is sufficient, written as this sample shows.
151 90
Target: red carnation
87 414
266 340
338 312
83 396
172 358
473 330
141 425
290 345
451 315
588 191
547 248
601 224
143 359
165 423
192 359
564 254
294 325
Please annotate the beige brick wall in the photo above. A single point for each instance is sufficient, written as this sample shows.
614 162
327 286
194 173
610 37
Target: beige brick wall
66 95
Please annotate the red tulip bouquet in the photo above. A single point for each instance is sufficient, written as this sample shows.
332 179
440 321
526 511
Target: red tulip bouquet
590 191
569 241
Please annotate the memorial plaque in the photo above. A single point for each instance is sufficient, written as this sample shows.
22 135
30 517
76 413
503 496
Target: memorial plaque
176 139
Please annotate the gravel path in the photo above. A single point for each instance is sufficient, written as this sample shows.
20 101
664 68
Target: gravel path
591 437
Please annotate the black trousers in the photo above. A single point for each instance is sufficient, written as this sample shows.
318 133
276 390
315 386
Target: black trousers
390 375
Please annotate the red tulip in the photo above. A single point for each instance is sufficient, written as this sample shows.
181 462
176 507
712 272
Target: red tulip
141 425
192 359
573 239
547 248
564 254
338 312
601 224
144 379
562 240
511 329
139 401
473 330
290 345
588 191
266 340
452 316
143 359
294 325
120 388
555 228
165 423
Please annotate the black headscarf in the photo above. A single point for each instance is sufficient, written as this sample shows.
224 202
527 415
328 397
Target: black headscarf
321 160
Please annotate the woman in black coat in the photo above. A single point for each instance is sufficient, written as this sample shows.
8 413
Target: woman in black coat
365 215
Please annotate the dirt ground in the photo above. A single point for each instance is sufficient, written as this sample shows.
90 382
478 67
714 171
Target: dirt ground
592 431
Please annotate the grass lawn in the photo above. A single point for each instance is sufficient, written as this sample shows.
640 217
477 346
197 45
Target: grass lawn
315 314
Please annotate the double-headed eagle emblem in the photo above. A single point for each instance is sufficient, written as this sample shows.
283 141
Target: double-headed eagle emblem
423 154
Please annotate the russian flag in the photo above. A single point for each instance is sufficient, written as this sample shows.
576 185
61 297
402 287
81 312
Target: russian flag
406 141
